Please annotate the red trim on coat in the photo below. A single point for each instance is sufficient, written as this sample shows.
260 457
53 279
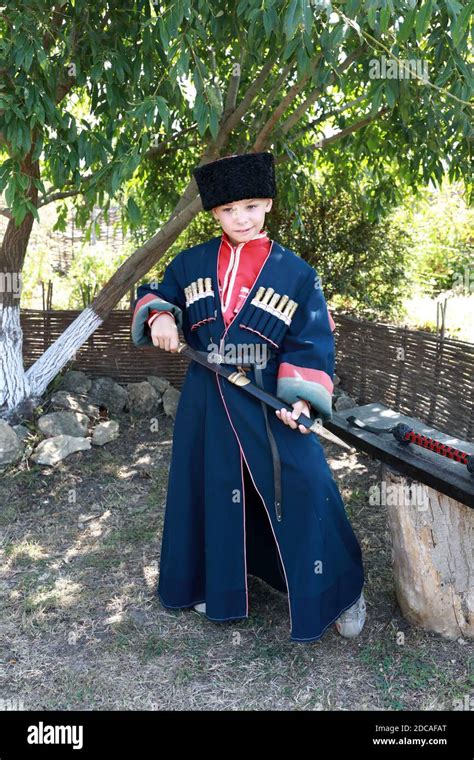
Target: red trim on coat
306 373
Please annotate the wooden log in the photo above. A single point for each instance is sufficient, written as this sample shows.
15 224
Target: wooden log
432 539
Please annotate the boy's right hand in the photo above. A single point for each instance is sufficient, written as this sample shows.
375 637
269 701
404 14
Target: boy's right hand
164 333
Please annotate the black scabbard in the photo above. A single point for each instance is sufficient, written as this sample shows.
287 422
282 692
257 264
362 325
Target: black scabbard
238 378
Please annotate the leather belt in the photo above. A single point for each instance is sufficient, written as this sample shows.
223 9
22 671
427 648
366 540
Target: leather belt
274 450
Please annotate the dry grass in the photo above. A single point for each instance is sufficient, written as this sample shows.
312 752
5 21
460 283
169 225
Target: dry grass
81 627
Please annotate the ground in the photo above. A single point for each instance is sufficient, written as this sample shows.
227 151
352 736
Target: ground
83 630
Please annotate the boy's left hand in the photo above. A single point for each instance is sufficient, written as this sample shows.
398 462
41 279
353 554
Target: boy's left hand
299 407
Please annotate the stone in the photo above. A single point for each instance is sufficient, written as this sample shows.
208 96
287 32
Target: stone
71 402
24 411
344 402
22 432
53 450
106 392
64 423
76 382
11 448
170 401
142 398
105 432
160 384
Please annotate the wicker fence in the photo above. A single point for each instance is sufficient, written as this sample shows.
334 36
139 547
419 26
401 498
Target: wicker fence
416 373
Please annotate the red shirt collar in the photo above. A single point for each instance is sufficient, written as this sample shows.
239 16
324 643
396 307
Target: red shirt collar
256 242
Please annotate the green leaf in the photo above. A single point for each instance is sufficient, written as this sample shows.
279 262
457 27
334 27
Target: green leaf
241 7
352 8
453 7
32 208
406 27
289 50
289 23
38 110
163 33
183 62
200 114
371 16
321 74
96 71
38 148
267 24
467 127
391 91
337 34
17 112
214 124
384 18
28 58
163 110
149 118
11 192
118 69
445 74
308 43
460 25
42 58
376 98
308 18
253 14
133 211
26 135
19 212
373 141
404 112
302 61
423 19
214 98
134 161
116 179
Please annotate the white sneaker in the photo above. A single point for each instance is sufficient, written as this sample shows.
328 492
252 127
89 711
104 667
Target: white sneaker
200 607
351 622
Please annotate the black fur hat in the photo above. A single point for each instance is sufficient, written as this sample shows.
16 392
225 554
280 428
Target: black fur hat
234 178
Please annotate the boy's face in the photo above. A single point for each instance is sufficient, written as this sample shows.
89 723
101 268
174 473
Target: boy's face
242 220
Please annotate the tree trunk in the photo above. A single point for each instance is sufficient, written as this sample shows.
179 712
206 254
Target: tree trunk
14 385
431 553
63 349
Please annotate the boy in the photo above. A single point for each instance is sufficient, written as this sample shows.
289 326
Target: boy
246 493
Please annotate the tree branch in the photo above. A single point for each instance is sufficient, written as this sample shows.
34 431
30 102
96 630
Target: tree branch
272 95
49 38
234 119
233 89
58 197
308 102
264 135
162 148
311 125
214 69
325 141
351 128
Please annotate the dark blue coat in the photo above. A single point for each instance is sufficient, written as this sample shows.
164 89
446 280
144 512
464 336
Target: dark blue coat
220 431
